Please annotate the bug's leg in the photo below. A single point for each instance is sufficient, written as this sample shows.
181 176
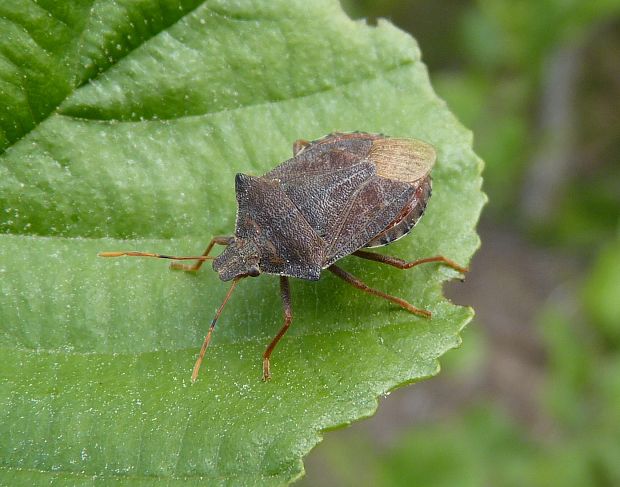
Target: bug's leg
299 145
355 282
219 240
205 344
285 292
403 264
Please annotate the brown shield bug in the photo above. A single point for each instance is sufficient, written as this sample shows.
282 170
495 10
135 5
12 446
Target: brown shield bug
336 196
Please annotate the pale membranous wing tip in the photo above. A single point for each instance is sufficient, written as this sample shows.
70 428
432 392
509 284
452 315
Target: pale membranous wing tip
404 160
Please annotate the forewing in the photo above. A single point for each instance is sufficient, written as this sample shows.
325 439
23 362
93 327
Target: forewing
375 205
322 198
351 187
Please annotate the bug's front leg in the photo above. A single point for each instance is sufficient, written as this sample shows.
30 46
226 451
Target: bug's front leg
403 264
219 240
285 292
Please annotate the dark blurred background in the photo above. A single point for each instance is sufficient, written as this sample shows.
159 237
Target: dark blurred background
533 395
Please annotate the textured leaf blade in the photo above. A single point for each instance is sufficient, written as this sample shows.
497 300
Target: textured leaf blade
95 380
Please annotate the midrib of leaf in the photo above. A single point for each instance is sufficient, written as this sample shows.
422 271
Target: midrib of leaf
265 103
86 80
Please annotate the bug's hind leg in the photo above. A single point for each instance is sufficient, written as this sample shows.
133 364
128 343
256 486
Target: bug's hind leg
354 281
288 318
219 240
403 264
299 145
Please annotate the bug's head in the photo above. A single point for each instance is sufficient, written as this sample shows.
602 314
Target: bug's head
240 259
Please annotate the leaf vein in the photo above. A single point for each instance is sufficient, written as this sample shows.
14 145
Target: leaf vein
274 101
54 109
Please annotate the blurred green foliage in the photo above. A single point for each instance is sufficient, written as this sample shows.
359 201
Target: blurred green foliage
602 294
506 46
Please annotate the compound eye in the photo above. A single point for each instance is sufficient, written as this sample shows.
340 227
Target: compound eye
254 271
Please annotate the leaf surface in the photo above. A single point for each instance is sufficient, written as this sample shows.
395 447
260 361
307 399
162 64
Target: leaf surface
123 124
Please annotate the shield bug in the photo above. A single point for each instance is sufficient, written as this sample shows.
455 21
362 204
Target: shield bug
337 195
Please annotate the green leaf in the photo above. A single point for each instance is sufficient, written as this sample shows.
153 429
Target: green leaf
123 125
